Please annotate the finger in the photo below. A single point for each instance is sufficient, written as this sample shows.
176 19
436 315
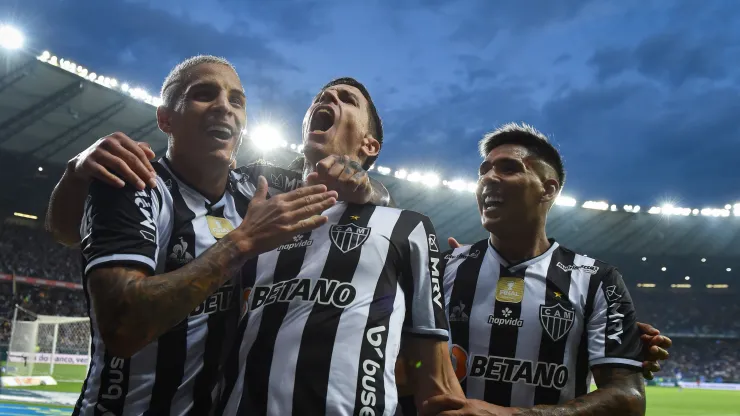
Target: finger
302 192
325 164
438 404
336 170
137 159
99 172
261 192
309 211
309 200
663 341
651 366
647 329
648 375
147 150
359 180
453 243
656 353
111 161
309 224
313 179
351 168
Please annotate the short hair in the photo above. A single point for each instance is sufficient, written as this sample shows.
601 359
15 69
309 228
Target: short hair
376 124
173 85
528 137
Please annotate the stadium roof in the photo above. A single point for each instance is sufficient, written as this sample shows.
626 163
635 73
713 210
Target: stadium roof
51 109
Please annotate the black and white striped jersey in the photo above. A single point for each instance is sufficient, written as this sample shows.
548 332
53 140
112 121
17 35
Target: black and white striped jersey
527 334
161 230
327 313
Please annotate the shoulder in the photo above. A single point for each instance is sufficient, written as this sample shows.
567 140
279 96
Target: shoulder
596 268
473 251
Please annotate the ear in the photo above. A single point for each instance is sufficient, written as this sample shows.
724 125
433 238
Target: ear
164 120
370 146
551 189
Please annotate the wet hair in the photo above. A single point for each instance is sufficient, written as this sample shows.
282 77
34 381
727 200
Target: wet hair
528 137
174 84
376 125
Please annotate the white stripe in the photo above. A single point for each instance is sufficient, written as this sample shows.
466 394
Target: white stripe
479 329
580 281
141 379
530 334
614 360
596 327
392 349
121 257
285 354
350 333
90 396
265 269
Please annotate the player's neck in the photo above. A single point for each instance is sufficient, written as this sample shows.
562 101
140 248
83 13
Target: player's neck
522 245
209 180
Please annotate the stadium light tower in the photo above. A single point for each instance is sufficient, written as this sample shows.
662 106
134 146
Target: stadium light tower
267 137
11 38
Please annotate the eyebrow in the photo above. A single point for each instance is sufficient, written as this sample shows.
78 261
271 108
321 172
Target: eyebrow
210 83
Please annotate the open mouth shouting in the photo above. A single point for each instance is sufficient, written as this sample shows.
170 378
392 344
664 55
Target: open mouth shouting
322 119
491 201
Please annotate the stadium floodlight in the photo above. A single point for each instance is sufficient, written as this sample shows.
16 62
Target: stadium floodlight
31 217
41 169
401 174
267 137
703 260
728 269
599 205
644 259
565 201
663 268
11 38
384 170
687 278
430 179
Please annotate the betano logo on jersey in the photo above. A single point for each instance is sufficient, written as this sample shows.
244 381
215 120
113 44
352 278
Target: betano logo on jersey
323 291
510 289
217 302
513 370
218 226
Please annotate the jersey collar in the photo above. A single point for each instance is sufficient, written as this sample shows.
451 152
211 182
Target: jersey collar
522 264
183 184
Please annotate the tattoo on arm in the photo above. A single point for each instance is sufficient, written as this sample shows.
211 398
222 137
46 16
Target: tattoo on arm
621 392
133 309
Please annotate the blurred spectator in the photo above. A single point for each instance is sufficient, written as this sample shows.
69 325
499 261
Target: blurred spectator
715 360
697 314
26 251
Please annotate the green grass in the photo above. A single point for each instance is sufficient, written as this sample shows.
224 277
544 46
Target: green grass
662 401
62 372
55 406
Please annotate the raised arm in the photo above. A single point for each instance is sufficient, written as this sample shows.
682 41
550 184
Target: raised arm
116 152
132 305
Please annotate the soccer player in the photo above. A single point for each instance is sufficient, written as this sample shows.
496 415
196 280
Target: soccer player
535 318
162 264
328 313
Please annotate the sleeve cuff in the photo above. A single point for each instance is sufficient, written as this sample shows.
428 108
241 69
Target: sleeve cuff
121 258
615 361
440 334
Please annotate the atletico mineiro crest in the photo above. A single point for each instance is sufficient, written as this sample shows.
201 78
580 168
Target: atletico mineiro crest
556 320
348 237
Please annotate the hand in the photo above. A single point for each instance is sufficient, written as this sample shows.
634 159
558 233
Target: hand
344 175
271 222
453 243
449 405
654 347
118 153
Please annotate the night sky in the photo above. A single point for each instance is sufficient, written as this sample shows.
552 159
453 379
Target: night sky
642 97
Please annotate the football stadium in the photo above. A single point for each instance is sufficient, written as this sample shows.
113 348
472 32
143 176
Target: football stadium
680 263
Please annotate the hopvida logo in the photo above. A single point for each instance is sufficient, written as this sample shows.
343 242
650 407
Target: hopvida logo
298 241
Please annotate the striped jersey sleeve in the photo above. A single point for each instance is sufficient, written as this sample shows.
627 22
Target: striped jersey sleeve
425 312
613 335
120 226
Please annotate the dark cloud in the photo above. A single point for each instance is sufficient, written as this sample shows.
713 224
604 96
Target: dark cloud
133 39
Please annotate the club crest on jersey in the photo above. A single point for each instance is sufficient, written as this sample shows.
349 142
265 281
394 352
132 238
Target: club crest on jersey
348 237
510 289
556 320
218 226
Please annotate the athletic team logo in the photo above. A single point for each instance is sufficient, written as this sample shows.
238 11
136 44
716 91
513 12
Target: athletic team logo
348 237
556 320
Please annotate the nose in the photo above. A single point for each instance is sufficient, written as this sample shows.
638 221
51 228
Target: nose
328 97
488 179
221 104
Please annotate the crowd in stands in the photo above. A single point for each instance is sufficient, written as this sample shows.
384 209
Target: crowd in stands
26 251
697 314
711 359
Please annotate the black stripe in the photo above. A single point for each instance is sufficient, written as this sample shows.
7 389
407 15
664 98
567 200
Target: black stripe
113 386
221 336
502 343
260 356
172 345
370 387
554 341
583 382
461 302
78 405
320 331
